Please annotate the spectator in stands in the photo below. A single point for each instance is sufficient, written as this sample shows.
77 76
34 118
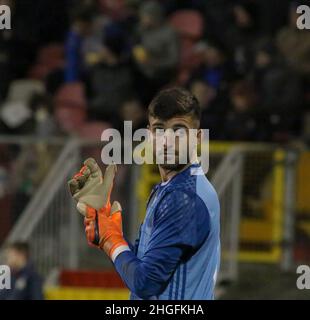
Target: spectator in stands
110 79
156 53
214 69
240 120
213 107
81 26
92 42
232 30
240 36
294 44
26 284
279 93
132 110
233 24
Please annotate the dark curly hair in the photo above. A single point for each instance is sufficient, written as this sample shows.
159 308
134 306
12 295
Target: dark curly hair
173 102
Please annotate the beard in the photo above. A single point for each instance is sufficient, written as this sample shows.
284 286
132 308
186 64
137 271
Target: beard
173 164
173 167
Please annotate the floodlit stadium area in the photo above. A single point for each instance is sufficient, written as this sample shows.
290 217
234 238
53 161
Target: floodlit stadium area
69 72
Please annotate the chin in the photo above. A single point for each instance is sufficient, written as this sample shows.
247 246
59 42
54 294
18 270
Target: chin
173 166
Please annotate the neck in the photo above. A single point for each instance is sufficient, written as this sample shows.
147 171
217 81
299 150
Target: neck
167 174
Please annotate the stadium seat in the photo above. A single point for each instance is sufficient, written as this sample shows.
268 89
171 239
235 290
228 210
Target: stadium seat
87 285
93 129
71 94
91 278
188 23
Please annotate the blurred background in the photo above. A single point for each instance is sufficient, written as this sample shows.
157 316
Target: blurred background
71 69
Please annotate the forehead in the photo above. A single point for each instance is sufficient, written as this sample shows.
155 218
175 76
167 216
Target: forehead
186 121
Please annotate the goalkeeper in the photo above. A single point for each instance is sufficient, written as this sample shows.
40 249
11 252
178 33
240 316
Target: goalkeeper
177 253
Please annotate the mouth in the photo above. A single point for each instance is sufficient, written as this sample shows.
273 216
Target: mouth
167 154
168 158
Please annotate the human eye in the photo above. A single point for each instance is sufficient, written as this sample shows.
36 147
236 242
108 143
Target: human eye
180 131
159 130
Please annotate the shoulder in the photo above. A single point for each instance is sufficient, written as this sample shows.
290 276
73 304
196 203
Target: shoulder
183 212
184 182
185 188
181 205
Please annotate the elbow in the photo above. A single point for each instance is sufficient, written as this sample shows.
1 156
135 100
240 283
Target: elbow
145 288
146 292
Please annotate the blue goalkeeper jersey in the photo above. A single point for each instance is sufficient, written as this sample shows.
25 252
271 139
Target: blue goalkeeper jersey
177 253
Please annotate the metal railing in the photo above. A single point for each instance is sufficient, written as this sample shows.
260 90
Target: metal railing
227 180
48 223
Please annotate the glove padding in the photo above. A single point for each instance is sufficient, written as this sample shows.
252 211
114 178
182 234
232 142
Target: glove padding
89 188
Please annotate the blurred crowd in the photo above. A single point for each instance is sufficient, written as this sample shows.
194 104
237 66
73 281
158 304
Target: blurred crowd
77 67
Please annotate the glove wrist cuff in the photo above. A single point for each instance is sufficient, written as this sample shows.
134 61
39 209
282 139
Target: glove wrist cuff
110 246
117 251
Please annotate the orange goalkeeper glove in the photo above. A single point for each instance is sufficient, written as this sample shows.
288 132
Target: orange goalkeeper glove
103 223
103 228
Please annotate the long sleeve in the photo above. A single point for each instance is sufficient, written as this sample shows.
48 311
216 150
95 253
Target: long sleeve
181 224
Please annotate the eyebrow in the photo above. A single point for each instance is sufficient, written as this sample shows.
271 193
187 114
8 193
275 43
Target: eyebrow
182 125
157 123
